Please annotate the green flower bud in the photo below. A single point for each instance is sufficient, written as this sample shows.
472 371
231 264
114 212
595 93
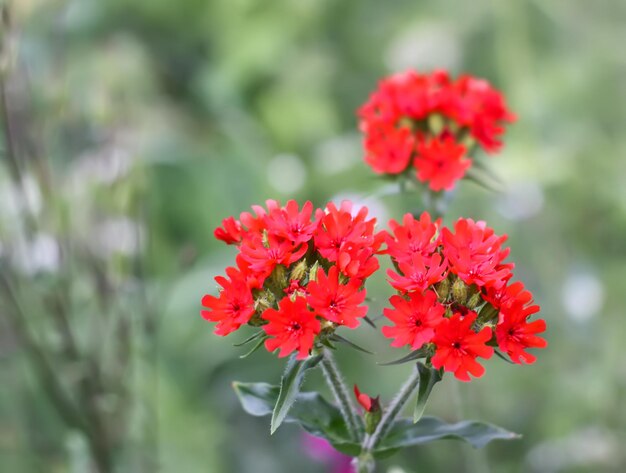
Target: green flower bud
443 289
299 271
459 291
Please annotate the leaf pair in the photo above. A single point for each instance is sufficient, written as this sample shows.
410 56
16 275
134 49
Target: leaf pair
320 418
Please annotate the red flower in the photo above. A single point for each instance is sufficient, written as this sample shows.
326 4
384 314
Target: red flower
230 232
264 256
421 273
292 327
389 150
396 115
441 162
412 237
349 241
415 319
234 306
290 223
458 346
475 255
504 295
339 303
515 334
370 404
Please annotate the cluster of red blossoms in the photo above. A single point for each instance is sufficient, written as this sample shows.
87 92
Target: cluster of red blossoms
429 121
456 302
299 273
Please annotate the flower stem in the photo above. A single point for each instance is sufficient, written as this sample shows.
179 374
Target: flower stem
391 413
337 385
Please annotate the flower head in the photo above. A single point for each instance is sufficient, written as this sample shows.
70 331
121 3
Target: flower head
515 333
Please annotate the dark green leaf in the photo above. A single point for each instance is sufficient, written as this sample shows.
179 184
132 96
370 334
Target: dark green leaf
258 334
484 179
500 355
369 321
316 415
428 429
290 385
428 378
414 355
256 346
339 338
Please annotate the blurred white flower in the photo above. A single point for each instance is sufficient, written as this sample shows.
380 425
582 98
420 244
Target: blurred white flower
424 47
41 254
117 236
14 200
102 166
286 173
522 201
338 154
586 447
582 295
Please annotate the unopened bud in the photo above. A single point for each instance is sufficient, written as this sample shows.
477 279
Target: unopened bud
488 314
313 271
443 289
299 271
474 301
278 278
436 123
459 291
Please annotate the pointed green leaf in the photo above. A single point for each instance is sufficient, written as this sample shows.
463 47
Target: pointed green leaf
290 385
339 338
311 411
428 378
414 355
500 355
484 179
256 346
320 418
428 429
251 338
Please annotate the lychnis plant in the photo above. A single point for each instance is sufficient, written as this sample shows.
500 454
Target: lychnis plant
299 280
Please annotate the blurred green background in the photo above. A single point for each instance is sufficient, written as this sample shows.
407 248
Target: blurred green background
138 125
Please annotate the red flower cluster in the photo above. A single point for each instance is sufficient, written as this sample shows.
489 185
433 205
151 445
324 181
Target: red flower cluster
299 273
456 300
400 125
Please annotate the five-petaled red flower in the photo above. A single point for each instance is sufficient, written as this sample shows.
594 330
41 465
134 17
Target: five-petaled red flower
515 333
339 303
458 346
415 319
292 327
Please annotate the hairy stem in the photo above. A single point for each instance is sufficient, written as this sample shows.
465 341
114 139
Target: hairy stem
337 385
392 412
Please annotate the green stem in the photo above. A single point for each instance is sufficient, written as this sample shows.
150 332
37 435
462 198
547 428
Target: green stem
337 385
392 412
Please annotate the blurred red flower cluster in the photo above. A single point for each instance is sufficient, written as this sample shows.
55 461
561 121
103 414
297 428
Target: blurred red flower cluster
455 298
299 273
430 121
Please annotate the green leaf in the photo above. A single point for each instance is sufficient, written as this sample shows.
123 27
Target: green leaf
290 385
428 429
256 346
250 339
500 355
320 418
484 178
339 338
428 378
311 411
414 355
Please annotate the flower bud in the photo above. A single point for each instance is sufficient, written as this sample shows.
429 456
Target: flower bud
278 278
299 271
459 291
474 301
488 314
313 271
373 412
443 289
